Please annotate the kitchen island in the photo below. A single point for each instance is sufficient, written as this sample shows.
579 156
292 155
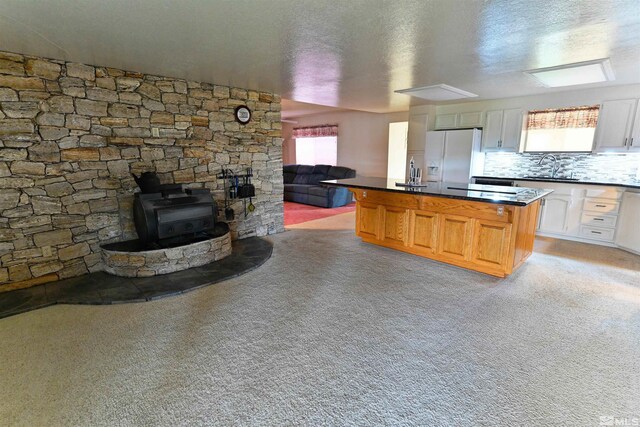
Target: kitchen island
485 228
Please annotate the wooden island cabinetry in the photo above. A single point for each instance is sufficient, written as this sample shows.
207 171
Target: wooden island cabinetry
490 237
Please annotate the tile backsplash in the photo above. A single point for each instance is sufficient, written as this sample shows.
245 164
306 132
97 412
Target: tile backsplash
587 166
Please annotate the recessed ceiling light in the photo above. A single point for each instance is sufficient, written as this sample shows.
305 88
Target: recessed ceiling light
578 73
437 93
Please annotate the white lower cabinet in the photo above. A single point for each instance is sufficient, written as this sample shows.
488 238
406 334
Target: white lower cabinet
555 214
560 211
602 215
628 230
579 212
597 233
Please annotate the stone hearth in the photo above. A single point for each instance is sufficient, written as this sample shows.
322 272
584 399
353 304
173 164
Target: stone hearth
127 259
101 288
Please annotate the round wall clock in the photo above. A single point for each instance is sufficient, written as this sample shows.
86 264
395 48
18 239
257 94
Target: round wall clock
243 114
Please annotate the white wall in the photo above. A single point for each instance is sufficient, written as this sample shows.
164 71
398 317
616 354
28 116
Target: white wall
288 144
363 138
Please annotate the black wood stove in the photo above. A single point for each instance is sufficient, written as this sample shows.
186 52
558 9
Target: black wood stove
168 214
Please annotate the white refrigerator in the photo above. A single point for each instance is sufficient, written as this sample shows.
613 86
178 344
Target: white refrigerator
453 155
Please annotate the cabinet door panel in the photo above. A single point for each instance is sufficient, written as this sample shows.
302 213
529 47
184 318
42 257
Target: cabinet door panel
511 130
467 120
614 125
628 234
446 121
367 220
395 225
554 214
423 231
491 243
492 131
454 239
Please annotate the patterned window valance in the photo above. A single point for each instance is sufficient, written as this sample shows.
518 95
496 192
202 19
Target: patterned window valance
315 131
577 117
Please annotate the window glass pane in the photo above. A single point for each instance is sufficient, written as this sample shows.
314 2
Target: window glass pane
317 151
562 130
569 139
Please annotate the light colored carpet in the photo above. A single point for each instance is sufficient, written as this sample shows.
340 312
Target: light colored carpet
332 331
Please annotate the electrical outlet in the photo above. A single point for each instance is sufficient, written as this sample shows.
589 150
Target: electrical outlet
500 210
155 132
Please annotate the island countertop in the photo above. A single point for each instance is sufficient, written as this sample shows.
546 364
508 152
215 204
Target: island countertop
517 196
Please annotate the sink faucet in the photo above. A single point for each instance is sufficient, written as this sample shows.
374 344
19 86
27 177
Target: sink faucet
556 164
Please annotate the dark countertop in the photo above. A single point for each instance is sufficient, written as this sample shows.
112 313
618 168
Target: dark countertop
628 184
518 196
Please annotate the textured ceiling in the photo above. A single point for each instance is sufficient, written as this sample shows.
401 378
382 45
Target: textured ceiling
298 109
348 54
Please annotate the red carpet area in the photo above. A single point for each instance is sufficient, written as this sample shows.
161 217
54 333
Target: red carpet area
295 213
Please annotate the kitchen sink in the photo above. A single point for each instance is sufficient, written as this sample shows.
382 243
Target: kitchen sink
555 178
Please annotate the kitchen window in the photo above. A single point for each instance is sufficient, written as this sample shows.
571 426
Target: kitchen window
561 130
317 145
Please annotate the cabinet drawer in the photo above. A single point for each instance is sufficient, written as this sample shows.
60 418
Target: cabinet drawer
597 233
599 220
605 207
604 193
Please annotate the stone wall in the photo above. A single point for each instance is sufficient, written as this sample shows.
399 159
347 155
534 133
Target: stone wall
72 134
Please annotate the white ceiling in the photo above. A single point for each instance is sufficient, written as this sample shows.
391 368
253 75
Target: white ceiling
350 54
292 109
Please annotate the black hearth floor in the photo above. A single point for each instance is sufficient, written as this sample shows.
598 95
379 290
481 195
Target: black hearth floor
103 288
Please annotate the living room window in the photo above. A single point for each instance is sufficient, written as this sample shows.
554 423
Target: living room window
317 145
561 130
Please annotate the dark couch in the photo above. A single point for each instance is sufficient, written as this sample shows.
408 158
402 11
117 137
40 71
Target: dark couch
302 185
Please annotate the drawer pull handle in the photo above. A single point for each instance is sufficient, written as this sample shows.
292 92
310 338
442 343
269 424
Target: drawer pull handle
595 232
601 206
598 219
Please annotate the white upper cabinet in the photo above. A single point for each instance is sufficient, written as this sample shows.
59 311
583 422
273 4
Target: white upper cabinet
446 121
459 120
417 135
616 127
469 120
503 130
492 131
511 130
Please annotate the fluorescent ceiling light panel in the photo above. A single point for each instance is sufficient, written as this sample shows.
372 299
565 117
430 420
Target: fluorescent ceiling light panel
437 93
579 73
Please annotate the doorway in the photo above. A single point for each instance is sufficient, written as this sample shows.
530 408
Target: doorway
397 156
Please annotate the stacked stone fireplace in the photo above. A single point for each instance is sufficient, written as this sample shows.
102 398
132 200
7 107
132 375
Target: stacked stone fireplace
72 134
